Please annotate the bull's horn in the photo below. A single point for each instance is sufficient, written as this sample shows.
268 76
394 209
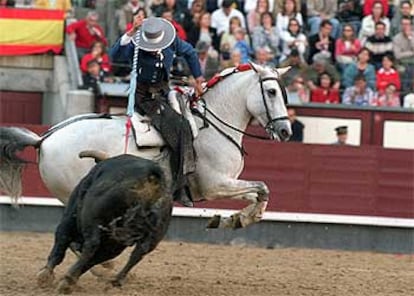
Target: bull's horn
96 154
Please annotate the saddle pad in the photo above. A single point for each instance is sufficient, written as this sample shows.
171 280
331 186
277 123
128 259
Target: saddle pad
145 134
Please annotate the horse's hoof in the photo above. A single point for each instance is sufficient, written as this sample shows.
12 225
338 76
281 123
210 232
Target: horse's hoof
214 222
64 287
45 277
236 221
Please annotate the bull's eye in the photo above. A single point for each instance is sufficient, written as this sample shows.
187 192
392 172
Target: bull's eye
271 92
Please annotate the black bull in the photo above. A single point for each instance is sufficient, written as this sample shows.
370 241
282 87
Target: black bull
122 201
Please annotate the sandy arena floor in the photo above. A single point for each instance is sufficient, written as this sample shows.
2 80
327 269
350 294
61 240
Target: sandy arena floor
210 270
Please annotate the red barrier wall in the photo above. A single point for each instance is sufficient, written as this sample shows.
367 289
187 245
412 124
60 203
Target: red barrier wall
365 180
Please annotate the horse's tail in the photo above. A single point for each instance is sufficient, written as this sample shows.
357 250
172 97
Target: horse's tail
12 140
96 154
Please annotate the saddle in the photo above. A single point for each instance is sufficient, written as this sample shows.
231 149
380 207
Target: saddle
147 136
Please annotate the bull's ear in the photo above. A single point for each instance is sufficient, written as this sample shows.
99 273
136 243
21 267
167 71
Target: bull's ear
282 71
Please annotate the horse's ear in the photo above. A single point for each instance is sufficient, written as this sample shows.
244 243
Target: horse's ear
253 65
282 71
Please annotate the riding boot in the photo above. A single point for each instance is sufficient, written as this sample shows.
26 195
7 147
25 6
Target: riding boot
183 196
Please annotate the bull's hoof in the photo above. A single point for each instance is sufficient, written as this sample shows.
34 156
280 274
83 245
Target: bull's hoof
45 277
65 287
214 222
108 265
117 282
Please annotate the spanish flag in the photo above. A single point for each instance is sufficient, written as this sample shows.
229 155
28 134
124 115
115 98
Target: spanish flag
30 31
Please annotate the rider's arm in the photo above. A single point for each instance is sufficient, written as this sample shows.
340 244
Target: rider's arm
122 50
187 51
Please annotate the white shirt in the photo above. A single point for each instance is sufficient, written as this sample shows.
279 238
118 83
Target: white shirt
282 21
221 22
368 28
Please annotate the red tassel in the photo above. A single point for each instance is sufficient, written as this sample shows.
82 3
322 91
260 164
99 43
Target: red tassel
128 126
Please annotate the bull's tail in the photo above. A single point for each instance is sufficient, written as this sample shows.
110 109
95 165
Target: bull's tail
12 140
96 154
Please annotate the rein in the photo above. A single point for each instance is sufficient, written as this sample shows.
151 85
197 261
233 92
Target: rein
268 126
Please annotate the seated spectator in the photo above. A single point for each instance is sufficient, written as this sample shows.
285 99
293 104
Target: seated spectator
7 3
220 18
350 12
409 98
228 39
263 57
347 47
289 11
168 15
266 36
359 94
323 91
140 13
235 59
388 98
369 21
297 91
93 76
64 5
387 74
208 60
405 10
297 126
293 39
403 46
322 10
178 10
322 43
254 16
319 66
225 56
125 14
379 45
85 32
368 5
297 67
192 19
276 6
203 31
98 53
361 66
242 45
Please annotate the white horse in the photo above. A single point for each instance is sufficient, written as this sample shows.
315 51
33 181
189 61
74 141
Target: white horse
230 105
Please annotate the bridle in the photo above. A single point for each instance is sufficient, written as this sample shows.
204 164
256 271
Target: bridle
269 126
271 121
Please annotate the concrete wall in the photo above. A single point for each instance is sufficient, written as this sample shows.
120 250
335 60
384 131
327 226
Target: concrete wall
266 234
47 74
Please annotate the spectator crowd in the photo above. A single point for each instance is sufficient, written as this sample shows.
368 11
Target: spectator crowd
354 52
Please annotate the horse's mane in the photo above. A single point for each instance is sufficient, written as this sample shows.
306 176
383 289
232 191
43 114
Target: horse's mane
219 83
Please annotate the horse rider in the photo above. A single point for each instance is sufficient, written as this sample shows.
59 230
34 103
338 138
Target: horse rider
157 45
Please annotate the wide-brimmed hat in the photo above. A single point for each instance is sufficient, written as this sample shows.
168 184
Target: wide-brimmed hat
156 34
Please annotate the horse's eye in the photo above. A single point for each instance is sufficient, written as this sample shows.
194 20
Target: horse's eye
271 92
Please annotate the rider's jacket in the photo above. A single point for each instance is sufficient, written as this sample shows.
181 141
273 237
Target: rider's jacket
155 67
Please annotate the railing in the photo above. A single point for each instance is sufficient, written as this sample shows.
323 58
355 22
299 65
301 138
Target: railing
75 74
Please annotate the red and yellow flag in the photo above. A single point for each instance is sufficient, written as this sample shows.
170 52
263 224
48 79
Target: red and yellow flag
30 31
